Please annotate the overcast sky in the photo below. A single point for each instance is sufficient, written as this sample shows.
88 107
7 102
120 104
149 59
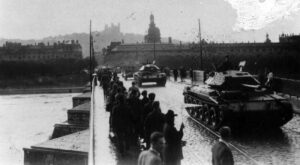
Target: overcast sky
221 20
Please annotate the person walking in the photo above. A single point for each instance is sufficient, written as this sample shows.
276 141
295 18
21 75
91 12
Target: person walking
148 106
182 74
221 153
175 73
121 124
152 155
134 88
135 106
173 150
145 98
191 75
154 121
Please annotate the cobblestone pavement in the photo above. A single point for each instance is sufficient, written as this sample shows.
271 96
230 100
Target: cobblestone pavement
279 147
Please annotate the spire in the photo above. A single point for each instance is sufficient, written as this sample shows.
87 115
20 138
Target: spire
151 18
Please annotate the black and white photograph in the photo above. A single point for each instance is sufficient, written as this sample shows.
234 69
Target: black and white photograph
149 82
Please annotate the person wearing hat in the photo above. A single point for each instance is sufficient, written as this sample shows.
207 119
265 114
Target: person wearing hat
173 150
221 153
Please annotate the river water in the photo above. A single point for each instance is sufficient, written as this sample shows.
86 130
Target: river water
27 120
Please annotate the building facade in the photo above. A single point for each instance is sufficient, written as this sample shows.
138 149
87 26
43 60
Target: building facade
40 52
281 57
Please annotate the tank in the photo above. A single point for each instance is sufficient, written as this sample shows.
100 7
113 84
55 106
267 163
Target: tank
236 99
150 73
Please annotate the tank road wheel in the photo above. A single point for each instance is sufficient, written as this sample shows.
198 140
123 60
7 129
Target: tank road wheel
196 111
185 98
202 112
207 118
193 113
188 99
213 118
221 116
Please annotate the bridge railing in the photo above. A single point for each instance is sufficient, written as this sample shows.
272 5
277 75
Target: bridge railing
91 158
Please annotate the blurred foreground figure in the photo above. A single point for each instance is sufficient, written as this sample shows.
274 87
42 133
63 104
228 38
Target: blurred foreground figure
152 156
173 151
221 153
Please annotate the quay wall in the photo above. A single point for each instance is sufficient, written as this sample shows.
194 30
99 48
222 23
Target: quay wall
41 90
69 144
54 157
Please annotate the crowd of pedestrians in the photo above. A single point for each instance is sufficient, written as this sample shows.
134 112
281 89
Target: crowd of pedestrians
137 117
182 73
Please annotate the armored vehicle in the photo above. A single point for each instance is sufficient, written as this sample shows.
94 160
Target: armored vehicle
150 73
236 99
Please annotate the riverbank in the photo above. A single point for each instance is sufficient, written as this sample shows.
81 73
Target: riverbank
27 120
12 91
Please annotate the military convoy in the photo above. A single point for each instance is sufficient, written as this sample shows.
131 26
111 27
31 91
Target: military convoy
236 99
150 73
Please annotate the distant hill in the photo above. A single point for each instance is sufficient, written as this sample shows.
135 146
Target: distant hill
101 39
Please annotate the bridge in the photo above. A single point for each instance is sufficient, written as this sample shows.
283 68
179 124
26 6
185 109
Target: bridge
103 151
84 137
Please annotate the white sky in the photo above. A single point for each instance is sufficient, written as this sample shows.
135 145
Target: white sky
228 20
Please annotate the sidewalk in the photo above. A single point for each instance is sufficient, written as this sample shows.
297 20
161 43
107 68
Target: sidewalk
105 151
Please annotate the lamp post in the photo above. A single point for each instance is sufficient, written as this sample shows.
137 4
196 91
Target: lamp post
91 52
154 56
200 45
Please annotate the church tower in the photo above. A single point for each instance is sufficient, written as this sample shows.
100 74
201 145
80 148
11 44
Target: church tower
153 32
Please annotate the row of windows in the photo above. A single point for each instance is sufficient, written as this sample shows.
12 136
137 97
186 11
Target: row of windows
244 50
39 57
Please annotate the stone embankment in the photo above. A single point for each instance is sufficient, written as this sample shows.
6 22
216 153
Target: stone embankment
70 142
14 91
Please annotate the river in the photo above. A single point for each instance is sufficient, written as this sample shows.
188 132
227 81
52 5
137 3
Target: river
27 120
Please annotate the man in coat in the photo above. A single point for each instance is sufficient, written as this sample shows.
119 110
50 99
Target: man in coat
154 121
173 150
175 73
121 123
152 155
145 98
221 153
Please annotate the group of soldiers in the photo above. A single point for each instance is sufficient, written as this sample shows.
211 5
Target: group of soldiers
134 116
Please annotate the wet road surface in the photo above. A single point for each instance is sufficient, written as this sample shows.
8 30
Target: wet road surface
281 146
